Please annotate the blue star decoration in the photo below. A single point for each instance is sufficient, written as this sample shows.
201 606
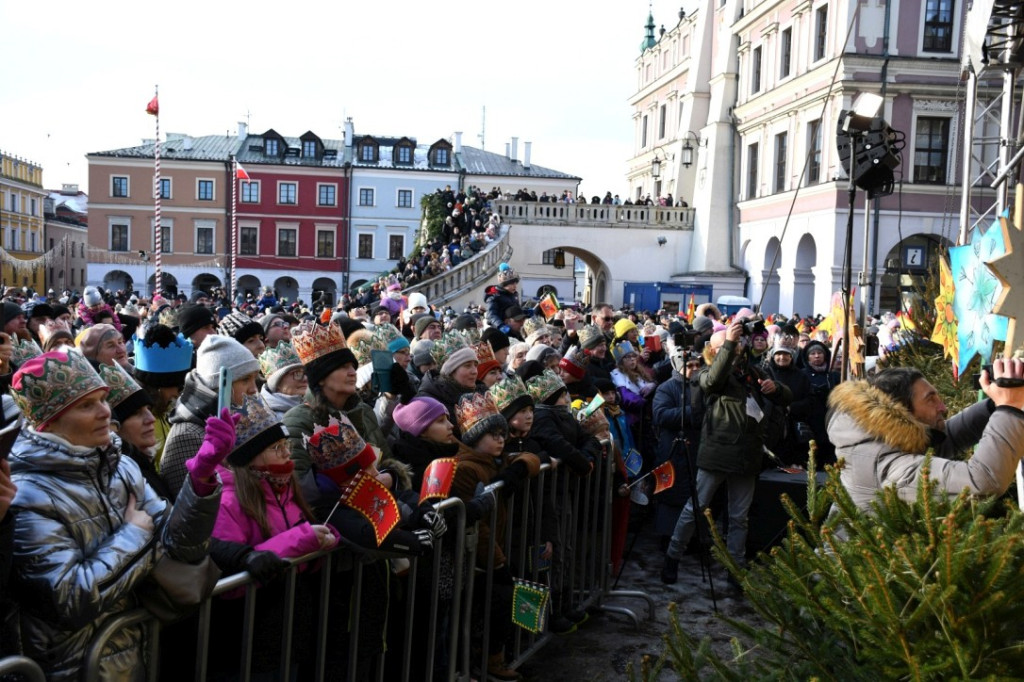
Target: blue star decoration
977 292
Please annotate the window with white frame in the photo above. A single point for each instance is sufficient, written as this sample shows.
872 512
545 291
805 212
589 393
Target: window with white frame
396 246
119 186
364 245
752 161
785 52
205 236
326 195
931 149
755 70
250 192
404 198
118 236
204 190
287 193
938 26
309 149
820 32
166 230
366 196
781 141
287 241
165 188
324 243
248 240
814 152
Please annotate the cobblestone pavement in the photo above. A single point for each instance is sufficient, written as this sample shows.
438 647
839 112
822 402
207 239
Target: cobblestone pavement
600 649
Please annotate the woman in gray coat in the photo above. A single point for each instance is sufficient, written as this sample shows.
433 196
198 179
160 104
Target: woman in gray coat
88 528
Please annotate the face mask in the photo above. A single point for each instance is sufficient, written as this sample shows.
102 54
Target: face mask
395 295
278 475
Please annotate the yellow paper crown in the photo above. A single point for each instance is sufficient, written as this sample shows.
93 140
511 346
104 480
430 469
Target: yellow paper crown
313 341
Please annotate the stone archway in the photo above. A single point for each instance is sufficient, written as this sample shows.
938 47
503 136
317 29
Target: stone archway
325 292
596 280
286 289
249 284
770 277
905 278
803 276
168 285
206 282
117 279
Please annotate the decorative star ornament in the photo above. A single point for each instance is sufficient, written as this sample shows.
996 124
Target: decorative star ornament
976 292
1009 271
945 332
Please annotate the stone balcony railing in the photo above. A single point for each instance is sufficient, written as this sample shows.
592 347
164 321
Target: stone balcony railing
467 276
595 215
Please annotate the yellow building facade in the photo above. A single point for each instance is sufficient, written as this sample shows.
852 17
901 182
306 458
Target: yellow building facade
21 223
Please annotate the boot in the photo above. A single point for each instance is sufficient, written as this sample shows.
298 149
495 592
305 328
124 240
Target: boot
497 669
670 572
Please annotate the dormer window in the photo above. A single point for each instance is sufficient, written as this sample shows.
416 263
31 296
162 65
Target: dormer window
271 148
309 149
368 153
441 157
403 155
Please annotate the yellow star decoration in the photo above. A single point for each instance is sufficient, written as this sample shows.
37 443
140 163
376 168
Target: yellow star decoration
834 322
945 332
1007 268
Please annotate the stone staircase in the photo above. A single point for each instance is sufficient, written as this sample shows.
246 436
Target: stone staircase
466 282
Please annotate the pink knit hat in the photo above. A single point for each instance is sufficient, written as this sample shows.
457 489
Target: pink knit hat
420 413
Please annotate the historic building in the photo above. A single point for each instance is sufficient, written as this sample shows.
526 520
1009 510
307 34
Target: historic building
67 237
737 110
21 223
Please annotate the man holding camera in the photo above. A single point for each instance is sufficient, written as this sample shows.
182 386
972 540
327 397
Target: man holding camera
884 427
737 399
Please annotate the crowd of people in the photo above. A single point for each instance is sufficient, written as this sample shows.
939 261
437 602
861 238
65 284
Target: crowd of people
118 450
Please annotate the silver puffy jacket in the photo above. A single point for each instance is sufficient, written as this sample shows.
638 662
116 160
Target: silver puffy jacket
76 560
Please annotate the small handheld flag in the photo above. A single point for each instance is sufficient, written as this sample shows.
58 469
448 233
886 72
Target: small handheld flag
438 477
634 461
530 605
373 500
691 311
664 477
548 305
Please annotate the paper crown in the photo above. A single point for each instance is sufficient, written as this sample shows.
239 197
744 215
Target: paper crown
55 329
126 396
273 360
446 346
510 396
313 341
590 336
387 333
574 362
484 353
258 429
361 342
49 383
532 325
154 358
470 334
621 350
338 451
25 350
544 385
477 415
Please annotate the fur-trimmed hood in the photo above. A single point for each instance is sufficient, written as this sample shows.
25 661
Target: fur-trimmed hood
877 415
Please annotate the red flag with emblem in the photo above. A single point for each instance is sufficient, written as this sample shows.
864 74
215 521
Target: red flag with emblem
664 477
372 499
548 305
437 479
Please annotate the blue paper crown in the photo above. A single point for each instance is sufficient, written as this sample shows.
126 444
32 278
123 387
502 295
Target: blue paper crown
177 357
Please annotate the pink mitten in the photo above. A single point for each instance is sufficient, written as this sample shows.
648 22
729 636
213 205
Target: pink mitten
217 444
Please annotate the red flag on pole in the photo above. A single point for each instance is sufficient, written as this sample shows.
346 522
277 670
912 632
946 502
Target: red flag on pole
372 499
153 108
691 310
437 479
664 477
240 173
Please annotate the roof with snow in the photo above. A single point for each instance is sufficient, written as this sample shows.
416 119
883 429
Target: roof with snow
480 162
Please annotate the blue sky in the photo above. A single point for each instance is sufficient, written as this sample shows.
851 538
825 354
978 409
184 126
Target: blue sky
78 75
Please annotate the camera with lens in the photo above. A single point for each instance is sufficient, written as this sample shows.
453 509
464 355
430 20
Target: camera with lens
754 325
685 338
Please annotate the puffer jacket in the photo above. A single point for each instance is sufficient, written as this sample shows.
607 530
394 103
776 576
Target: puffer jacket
732 441
77 561
884 445
562 437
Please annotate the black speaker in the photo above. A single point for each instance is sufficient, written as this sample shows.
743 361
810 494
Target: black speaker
875 157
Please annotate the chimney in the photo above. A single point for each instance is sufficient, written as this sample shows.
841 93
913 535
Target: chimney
526 154
69 188
515 149
243 130
458 141
350 132
507 152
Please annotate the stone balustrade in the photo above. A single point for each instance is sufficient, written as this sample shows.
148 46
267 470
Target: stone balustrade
595 215
468 275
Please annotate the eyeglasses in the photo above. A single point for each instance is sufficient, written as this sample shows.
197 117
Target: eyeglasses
281 448
297 374
280 324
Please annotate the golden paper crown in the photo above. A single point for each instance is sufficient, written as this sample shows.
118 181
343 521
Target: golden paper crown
484 353
273 359
446 345
361 342
477 415
313 341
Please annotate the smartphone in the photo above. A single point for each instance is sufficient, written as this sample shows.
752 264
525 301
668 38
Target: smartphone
224 390
382 361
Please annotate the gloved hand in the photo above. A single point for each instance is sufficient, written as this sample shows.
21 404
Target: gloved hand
434 522
264 566
217 444
481 504
425 539
400 384
513 475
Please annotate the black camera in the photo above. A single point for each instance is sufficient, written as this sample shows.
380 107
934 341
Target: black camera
754 325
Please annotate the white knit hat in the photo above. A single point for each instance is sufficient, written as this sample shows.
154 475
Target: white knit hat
223 351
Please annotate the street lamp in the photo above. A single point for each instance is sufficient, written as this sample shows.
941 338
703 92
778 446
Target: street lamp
656 167
144 257
688 147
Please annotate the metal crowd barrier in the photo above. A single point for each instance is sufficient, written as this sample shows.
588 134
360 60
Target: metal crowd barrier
28 669
581 574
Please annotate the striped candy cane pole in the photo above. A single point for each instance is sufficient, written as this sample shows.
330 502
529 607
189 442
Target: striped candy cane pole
234 228
158 236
